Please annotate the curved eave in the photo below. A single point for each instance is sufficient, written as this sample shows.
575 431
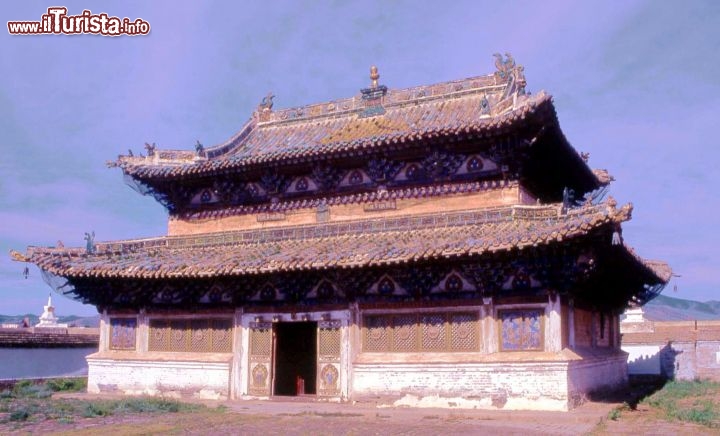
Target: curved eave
554 164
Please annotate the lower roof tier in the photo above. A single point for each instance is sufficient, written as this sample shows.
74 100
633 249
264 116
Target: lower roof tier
490 234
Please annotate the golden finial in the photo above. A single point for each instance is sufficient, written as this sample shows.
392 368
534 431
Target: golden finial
374 76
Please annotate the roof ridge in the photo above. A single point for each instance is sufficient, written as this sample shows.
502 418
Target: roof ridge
503 91
394 97
488 215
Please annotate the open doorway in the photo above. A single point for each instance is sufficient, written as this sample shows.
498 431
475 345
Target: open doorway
295 358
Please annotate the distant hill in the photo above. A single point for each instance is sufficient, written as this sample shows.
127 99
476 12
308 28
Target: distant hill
70 320
664 308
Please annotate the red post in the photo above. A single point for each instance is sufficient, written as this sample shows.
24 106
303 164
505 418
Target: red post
299 385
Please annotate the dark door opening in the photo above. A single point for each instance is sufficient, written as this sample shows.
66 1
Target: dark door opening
295 358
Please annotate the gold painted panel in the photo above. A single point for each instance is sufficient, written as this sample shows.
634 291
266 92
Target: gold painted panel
197 335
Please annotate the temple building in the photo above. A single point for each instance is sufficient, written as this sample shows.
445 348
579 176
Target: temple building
442 245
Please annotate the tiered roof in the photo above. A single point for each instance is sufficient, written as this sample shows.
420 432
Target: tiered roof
490 109
284 139
491 116
355 244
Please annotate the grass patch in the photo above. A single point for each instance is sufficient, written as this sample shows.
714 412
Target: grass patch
28 389
19 415
691 401
28 402
136 405
616 413
67 384
96 408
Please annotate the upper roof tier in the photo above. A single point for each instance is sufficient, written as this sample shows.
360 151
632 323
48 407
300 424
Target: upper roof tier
382 121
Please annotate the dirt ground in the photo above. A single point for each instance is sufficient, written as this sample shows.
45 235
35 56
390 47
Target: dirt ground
300 417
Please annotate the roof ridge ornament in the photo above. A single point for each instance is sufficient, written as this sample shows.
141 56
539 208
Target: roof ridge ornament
18 257
374 76
90 242
373 96
512 73
504 67
264 109
199 148
151 148
267 102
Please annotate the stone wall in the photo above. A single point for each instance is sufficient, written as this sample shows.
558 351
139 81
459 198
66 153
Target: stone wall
558 385
685 350
507 385
591 375
48 338
196 379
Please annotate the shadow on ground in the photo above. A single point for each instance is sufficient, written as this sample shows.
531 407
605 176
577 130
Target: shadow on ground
638 388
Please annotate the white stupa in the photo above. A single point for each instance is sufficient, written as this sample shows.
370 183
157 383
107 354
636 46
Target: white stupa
48 318
634 315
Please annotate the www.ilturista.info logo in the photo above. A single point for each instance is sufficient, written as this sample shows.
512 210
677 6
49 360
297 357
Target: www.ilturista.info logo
56 22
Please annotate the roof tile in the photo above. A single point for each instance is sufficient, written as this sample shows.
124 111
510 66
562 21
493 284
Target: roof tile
381 241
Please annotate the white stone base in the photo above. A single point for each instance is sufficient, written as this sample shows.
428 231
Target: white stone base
174 379
528 385
593 375
498 385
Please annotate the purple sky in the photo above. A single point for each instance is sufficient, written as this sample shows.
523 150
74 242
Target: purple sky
636 84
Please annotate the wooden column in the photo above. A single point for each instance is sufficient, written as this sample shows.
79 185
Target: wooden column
104 342
143 332
239 356
553 326
489 326
571 323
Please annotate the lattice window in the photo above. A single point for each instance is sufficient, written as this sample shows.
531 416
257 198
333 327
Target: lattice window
221 333
405 332
261 340
377 333
433 332
200 335
440 332
464 332
179 335
329 342
521 329
159 335
122 333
